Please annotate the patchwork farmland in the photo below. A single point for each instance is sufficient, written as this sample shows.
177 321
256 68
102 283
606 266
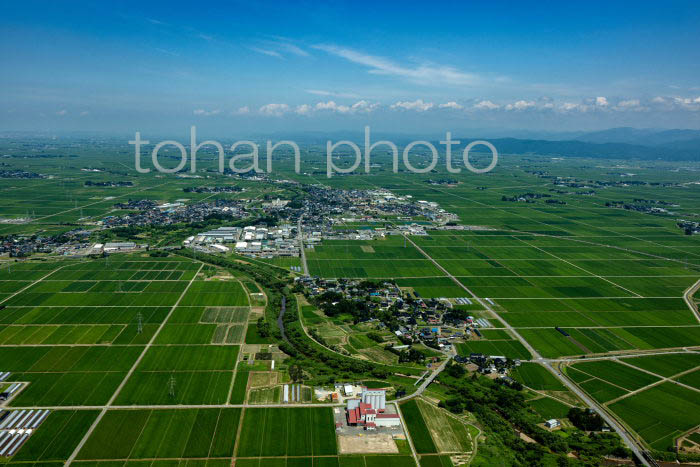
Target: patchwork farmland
184 353
564 282
82 337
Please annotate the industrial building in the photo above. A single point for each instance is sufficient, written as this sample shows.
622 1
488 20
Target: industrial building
220 235
369 410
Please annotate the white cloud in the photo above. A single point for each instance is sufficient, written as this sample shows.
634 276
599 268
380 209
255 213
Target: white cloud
521 105
84 113
631 105
658 100
303 109
486 105
364 106
601 101
268 52
567 106
241 110
291 48
61 113
321 92
274 110
206 113
423 74
417 105
358 107
278 48
687 103
451 105
331 105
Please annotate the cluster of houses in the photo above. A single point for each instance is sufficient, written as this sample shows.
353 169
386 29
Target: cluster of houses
22 246
328 211
150 213
490 364
419 320
689 227
18 173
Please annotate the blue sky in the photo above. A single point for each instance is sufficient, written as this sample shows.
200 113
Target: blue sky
404 66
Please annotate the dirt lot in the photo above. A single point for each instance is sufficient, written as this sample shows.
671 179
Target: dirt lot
367 443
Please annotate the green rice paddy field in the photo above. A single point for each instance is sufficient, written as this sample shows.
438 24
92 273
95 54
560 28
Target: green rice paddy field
611 279
77 328
76 346
634 389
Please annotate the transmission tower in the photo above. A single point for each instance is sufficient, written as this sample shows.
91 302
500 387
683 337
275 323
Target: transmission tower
171 386
139 328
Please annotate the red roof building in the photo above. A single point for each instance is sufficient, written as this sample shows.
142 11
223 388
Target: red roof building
369 411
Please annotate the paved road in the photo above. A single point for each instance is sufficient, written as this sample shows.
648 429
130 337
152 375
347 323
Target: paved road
483 303
626 436
300 237
688 297
631 443
616 356
426 382
131 371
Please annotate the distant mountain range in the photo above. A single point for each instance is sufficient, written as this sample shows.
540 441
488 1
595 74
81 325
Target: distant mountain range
646 137
615 143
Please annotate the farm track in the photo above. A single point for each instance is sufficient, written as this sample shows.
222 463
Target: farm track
538 358
131 371
662 379
688 297
626 436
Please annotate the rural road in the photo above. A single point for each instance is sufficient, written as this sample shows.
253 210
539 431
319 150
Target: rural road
631 443
687 296
300 236
131 371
